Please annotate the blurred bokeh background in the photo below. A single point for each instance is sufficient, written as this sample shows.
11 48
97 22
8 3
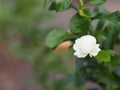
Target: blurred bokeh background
25 62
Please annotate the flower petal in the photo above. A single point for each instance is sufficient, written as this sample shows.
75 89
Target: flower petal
80 55
95 51
75 47
86 45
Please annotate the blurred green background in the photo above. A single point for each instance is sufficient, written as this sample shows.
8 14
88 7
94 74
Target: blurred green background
23 28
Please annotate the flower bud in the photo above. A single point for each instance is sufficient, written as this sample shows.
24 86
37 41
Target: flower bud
86 45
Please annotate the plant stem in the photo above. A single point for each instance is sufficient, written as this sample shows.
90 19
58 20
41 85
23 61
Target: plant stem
81 3
71 34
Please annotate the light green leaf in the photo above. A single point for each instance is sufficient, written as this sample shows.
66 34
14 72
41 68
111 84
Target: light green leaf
103 55
96 2
85 12
62 5
55 37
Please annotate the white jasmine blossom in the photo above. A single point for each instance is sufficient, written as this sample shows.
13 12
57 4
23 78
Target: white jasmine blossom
86 45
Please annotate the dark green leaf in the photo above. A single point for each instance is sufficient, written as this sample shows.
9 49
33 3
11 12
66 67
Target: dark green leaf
114 61
78 24
112 34
52 6
96 2
100 25
106 75
55 37
103 56
80 71
62 5
114 18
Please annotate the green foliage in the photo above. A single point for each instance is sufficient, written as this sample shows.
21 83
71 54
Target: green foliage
45 3
55 37
103 56
58 5
77 24
114 18
114 61
62 5
100 10
85 12
23 27
96 2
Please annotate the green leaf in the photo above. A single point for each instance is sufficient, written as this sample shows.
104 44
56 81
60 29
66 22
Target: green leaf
112 34
115 61
100 25
85 12
100 9
62 5
52 6
55 37
114 18
45 3
103 55
78 24
96 2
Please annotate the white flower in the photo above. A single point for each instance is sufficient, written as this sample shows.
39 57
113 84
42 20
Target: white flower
86 45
